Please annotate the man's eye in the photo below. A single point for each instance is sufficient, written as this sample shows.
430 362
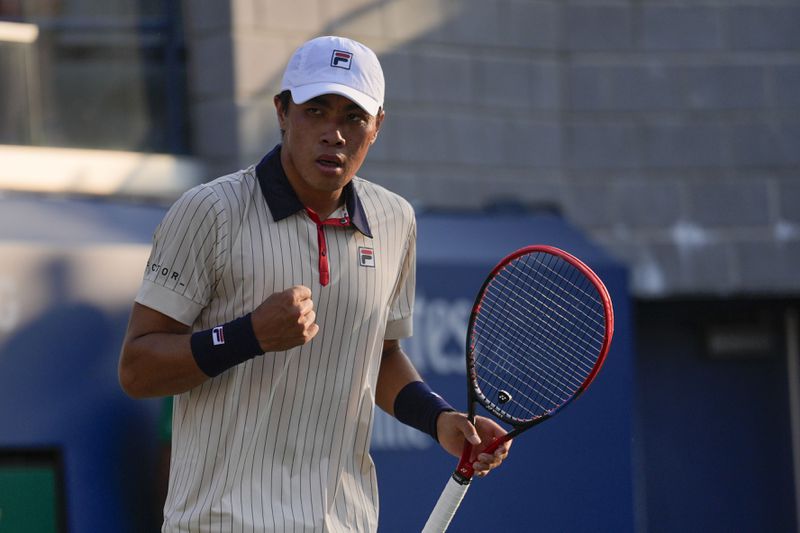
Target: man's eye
355 117
313 111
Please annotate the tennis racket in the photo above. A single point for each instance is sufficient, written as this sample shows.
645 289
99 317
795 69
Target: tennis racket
538 334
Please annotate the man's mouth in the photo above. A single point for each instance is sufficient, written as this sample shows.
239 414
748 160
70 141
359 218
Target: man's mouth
329 161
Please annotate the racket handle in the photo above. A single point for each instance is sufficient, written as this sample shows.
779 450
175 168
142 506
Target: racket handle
446 507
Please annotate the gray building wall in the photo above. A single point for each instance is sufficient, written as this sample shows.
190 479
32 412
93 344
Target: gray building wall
668 130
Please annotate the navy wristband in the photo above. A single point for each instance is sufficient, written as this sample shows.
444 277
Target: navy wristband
217 349
418 406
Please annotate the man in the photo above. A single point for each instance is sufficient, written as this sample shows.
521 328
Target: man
271 308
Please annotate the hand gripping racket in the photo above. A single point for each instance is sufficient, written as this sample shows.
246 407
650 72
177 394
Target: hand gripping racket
538 334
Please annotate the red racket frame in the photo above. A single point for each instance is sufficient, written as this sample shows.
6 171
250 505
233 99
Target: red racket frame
464 469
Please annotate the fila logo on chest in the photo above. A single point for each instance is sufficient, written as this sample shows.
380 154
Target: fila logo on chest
366 257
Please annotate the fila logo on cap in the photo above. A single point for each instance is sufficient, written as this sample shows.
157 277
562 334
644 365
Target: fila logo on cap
341 59
366 257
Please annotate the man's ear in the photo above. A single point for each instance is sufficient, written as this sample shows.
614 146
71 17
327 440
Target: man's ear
281 111
378 123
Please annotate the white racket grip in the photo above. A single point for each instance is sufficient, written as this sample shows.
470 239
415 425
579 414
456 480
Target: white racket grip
446 507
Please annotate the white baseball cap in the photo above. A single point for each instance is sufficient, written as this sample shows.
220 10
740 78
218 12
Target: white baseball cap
335 65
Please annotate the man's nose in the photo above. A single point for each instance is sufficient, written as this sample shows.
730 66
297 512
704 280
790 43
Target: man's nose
333 135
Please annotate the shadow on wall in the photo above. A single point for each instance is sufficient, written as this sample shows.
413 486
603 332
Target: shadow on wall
58 377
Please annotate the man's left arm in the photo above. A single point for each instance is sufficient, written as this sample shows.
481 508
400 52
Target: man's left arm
397 375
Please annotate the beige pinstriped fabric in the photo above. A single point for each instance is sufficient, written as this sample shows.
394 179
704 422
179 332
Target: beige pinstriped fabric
281 442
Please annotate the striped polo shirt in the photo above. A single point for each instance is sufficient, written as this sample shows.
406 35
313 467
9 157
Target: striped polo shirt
281 442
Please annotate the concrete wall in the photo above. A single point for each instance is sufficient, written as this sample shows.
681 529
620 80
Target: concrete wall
668 130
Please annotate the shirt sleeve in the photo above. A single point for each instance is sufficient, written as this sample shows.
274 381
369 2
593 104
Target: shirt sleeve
182 269
400 322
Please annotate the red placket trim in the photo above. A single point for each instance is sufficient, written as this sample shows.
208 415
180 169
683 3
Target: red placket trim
322 245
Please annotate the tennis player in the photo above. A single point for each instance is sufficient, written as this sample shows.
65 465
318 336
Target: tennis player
271 308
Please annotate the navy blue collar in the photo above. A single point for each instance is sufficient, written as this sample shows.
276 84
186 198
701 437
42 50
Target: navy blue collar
283 201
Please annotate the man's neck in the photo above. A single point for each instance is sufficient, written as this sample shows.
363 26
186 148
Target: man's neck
325 209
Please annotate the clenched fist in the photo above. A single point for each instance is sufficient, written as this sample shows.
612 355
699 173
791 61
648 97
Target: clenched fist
285 319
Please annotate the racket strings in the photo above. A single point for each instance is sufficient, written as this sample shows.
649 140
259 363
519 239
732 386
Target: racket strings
550 339
549 392
556 341
597 316
589 323
508 371
537 335
518 388
590 344
561 337
544 366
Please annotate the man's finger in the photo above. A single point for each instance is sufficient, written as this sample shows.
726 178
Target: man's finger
309 318
300 293
306 306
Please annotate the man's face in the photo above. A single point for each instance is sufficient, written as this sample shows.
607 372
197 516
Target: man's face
325 141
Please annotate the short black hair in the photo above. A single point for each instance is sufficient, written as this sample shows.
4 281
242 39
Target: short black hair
284 98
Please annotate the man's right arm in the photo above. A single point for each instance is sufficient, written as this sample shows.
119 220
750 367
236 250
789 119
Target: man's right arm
157 358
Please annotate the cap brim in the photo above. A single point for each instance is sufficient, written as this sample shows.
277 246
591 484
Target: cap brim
305 93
